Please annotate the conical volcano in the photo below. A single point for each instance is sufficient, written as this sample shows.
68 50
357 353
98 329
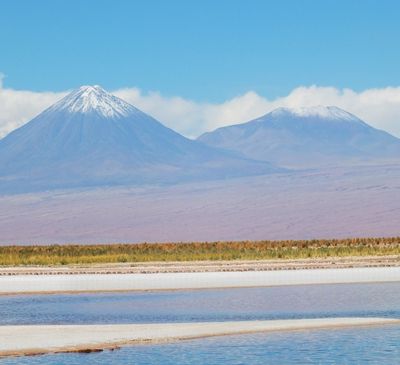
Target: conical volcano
92 138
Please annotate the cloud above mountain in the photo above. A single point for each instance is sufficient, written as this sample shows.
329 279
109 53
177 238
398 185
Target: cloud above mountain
378 107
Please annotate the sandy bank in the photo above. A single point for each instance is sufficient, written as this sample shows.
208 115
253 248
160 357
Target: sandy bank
197 280
30 340
206 266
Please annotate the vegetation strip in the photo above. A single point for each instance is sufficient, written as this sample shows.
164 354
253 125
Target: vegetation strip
196 251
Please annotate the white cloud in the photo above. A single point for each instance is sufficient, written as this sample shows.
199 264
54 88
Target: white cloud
378 107
18 107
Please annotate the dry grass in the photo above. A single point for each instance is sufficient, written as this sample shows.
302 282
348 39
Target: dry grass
196 251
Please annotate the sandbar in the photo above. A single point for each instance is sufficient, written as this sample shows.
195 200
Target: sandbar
42 339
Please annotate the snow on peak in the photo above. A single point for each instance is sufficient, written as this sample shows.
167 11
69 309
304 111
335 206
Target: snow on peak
324 112
94 99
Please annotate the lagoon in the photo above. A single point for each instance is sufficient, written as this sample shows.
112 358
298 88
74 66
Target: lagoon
354 345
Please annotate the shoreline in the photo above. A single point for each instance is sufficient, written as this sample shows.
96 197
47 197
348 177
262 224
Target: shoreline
46 339
206 266
78 283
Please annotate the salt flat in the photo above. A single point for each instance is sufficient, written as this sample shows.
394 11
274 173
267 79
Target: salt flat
195 280
38 339
324 203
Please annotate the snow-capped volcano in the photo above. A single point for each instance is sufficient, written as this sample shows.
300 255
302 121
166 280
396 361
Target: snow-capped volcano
91 138
307 137
93 99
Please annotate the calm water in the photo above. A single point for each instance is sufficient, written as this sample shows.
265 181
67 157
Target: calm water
378 346
375 345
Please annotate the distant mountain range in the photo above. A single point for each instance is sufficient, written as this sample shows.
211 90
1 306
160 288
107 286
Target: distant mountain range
307 137
92 138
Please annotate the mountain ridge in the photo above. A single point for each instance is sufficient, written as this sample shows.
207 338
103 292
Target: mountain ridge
91 138
306 137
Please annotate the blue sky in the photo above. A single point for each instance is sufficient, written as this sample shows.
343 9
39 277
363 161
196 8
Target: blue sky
201 50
